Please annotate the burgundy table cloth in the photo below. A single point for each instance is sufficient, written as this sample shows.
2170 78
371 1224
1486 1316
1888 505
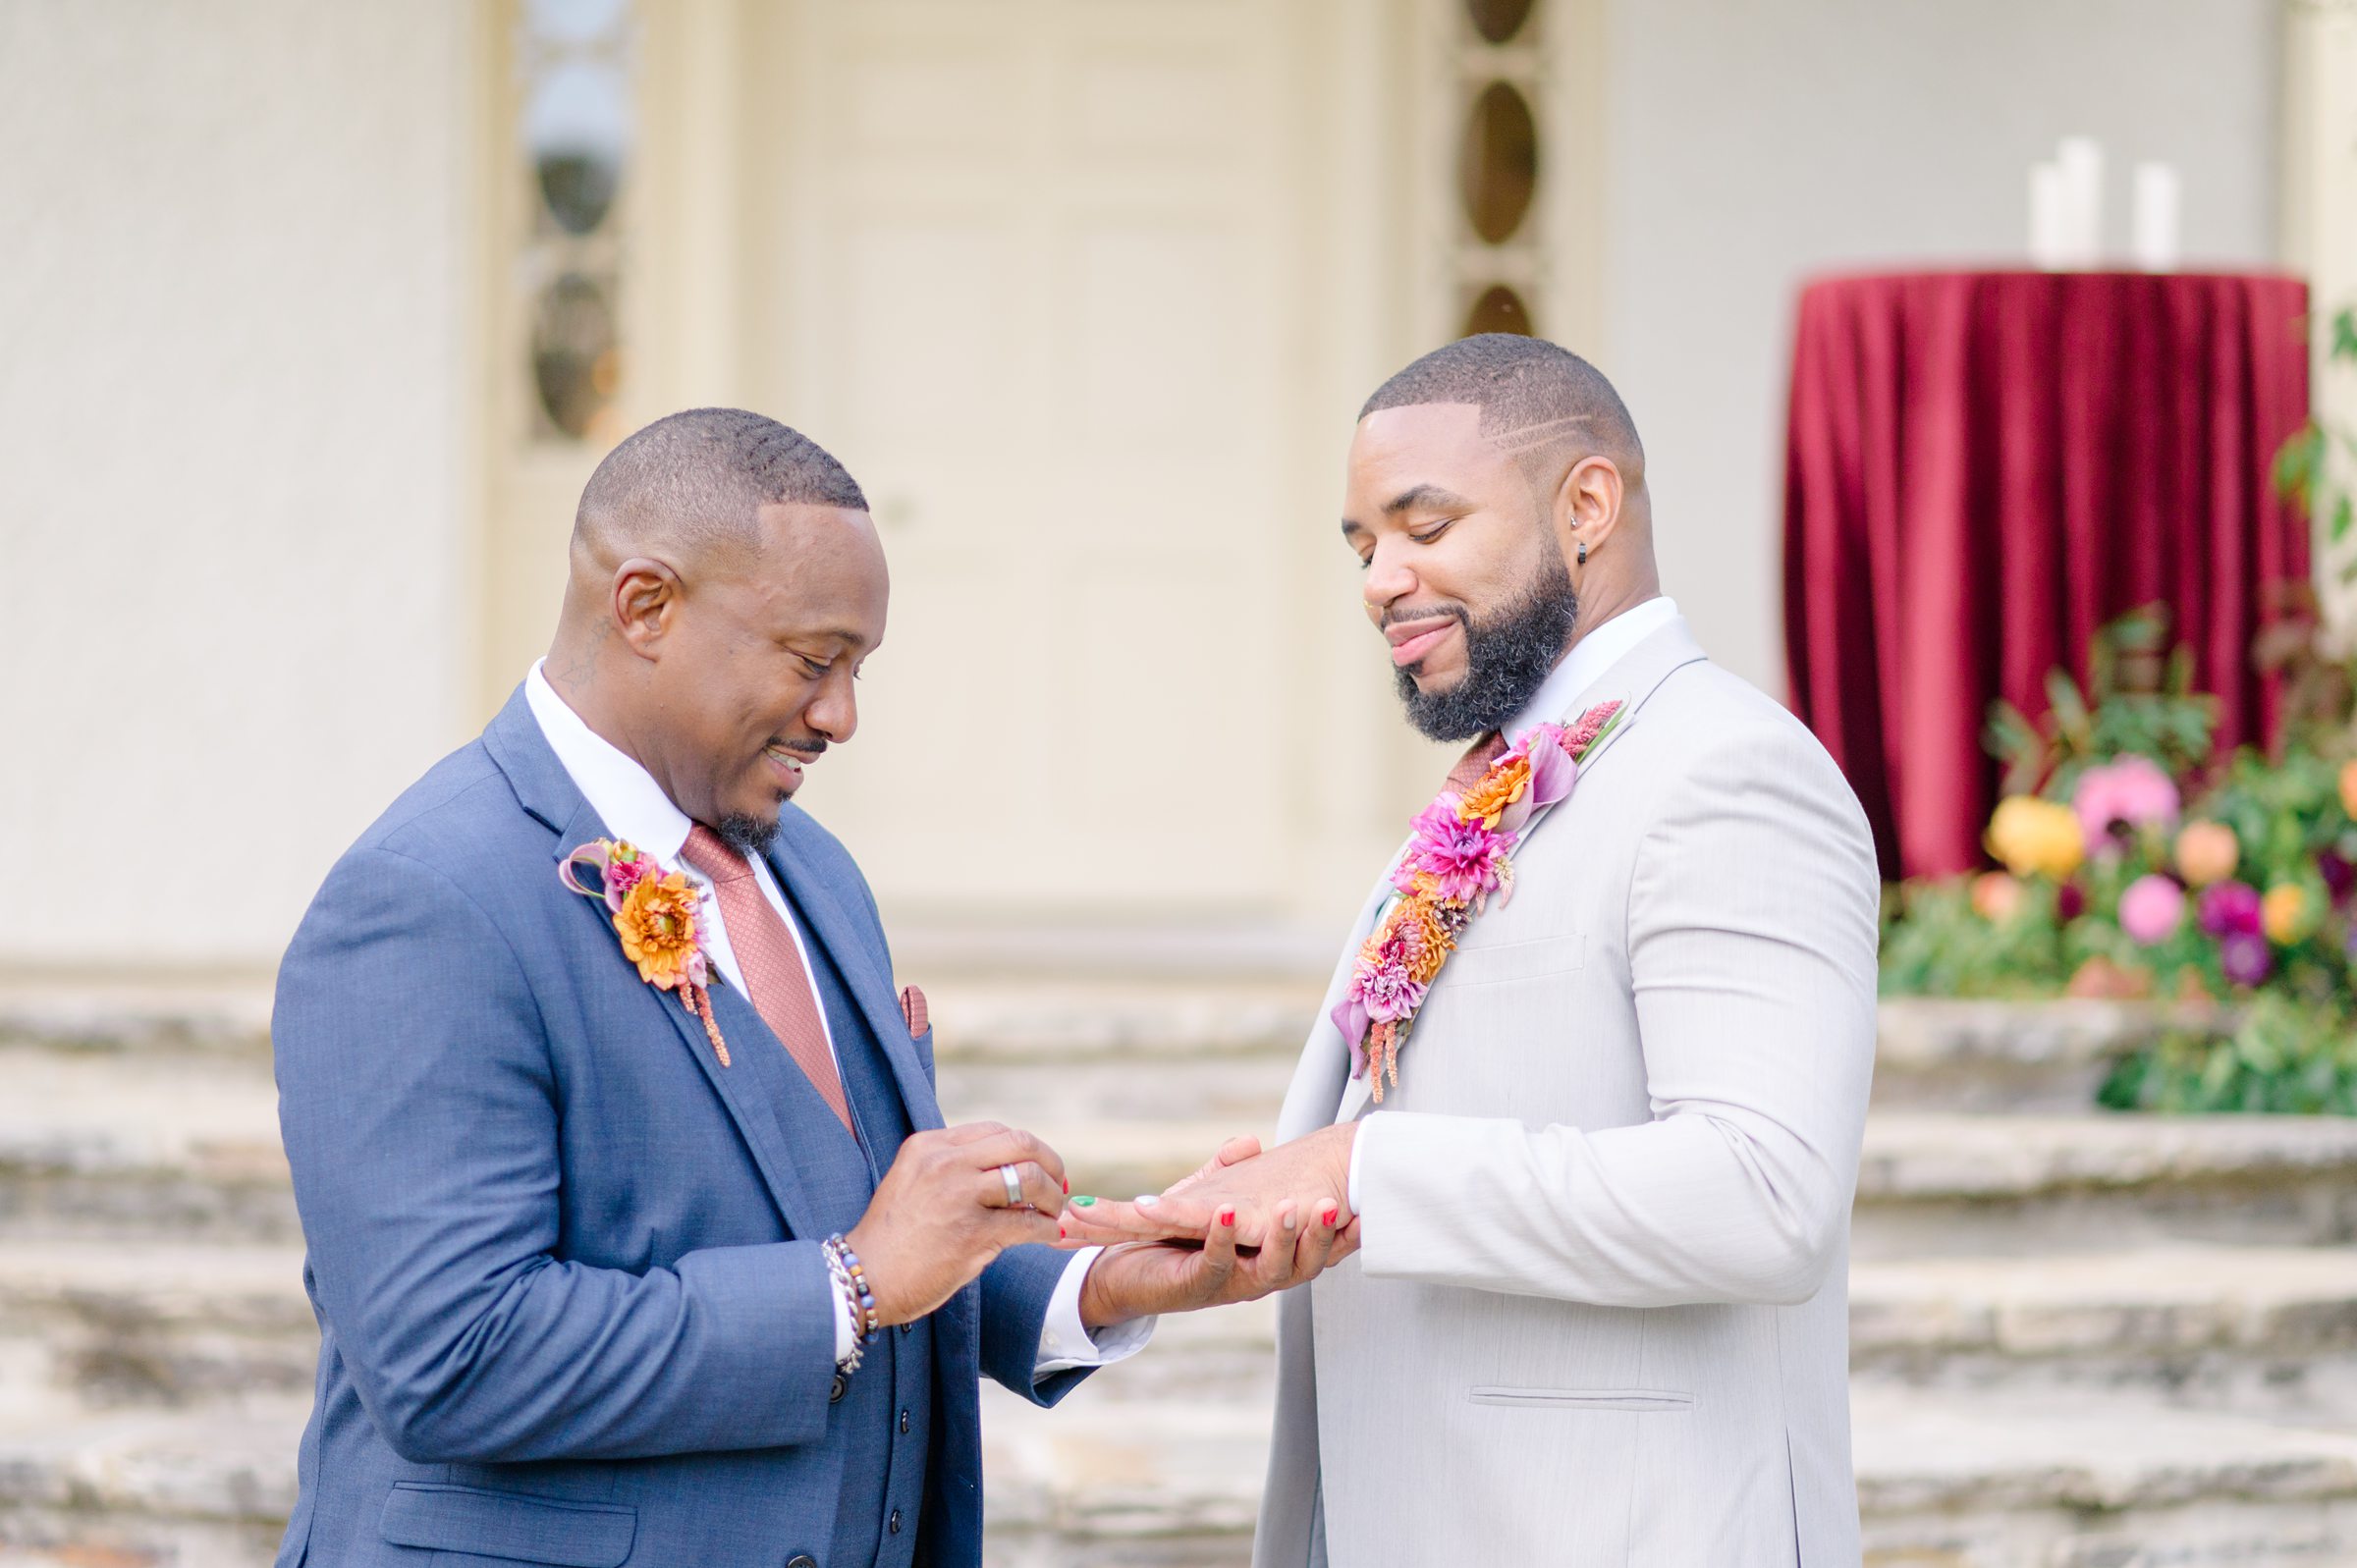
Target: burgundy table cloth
1984 467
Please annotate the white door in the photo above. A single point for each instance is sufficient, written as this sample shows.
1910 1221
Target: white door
1036 261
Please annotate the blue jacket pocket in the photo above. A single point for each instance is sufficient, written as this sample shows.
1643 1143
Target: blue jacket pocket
511 1525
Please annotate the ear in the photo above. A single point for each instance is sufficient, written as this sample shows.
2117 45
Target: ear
644 602
1587 506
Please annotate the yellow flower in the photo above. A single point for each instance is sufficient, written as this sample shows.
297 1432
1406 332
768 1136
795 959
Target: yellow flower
1494 792
2287 913
2036 838
657 926
2207 852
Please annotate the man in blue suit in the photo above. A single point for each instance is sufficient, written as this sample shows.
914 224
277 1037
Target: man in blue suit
634 1234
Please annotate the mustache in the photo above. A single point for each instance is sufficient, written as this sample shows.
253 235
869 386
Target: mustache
1448 612
802 748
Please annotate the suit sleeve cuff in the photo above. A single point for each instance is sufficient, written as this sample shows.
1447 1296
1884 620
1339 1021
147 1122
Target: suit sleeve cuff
1358 1151
1066 1343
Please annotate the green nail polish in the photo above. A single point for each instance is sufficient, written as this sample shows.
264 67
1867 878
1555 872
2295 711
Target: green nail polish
1084 1203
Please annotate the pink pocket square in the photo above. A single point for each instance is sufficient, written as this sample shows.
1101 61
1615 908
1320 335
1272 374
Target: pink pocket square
912 1008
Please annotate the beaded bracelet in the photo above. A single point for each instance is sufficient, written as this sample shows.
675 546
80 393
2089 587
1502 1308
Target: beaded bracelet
848 1291
869 1322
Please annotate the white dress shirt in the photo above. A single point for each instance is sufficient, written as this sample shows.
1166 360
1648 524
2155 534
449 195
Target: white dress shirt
1591 656
632 806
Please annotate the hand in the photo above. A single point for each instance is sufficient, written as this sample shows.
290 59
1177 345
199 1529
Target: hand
1308 1171
1139 1278
940 1216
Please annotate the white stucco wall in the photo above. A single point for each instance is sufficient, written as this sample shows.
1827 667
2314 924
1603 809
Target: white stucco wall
231 318
1752 144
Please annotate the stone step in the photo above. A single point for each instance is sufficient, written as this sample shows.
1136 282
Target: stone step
1971 1479
1936 1054
1933 1183
1198 1027
181 1147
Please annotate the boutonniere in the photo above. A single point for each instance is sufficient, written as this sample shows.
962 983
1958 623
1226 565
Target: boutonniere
654 913
1460 853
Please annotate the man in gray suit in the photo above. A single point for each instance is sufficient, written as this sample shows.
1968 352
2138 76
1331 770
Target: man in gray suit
1597 1313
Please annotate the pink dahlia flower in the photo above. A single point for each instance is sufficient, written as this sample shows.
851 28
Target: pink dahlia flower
1461 857
2114 800
2151 908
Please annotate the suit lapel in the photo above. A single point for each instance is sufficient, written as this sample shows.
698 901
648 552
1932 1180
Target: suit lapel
1323 1076
1631 679
847 943
548 794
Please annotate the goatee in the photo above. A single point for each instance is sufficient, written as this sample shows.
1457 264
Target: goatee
1508 658
746 833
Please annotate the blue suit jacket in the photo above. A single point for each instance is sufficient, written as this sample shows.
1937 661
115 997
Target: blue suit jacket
571 1306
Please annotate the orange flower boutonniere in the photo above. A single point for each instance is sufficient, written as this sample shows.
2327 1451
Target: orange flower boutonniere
654 913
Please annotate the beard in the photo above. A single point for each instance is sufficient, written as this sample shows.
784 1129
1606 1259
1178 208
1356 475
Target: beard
746 833
1509 655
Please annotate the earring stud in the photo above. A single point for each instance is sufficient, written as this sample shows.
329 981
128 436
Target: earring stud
1583 552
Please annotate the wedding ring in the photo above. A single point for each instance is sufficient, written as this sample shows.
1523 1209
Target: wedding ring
1015 1186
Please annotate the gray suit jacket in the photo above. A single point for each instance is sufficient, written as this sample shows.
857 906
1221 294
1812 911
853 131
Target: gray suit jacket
1601 1312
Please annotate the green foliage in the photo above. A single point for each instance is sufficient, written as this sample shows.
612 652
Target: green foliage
2285 1055
2303 469
1936 944
2139 701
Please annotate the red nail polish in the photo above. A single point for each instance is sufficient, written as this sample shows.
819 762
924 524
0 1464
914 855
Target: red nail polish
1059 1233
1227 1217
1330 1213
1067 1186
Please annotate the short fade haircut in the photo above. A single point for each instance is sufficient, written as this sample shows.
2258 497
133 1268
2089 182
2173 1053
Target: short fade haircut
1536 399
700 478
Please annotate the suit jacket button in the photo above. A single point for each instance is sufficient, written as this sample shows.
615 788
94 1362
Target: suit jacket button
801 1559
907 1328
834 1397
895 1523
903 1422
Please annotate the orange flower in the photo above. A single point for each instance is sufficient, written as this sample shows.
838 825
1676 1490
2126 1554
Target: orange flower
657 926
1493 791
1431 942
2348 788
2207 852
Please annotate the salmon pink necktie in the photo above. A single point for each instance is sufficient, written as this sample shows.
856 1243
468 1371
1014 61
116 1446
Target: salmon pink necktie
774 976
1469 766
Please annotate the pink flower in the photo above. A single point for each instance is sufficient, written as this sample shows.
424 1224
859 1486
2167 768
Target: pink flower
1461 857
2232 908
2151 908
1388 994
2245 959
2116 800
624 875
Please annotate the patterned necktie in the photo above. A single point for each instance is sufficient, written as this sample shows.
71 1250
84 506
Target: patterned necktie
774 975
1474 763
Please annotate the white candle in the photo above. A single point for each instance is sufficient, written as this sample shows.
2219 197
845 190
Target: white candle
2049 221
2082 162
2153 217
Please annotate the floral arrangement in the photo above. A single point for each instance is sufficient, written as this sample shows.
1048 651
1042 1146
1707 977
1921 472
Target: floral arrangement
2137 865
654 911
1458 853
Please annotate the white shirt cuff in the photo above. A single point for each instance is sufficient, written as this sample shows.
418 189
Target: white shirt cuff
846 1323
1359 1147
1065 1342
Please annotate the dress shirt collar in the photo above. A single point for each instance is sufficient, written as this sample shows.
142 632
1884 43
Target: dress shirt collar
1596 652
624 794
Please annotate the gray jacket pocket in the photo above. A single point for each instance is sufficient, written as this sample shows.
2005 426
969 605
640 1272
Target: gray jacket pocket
1642 1401
510 1525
